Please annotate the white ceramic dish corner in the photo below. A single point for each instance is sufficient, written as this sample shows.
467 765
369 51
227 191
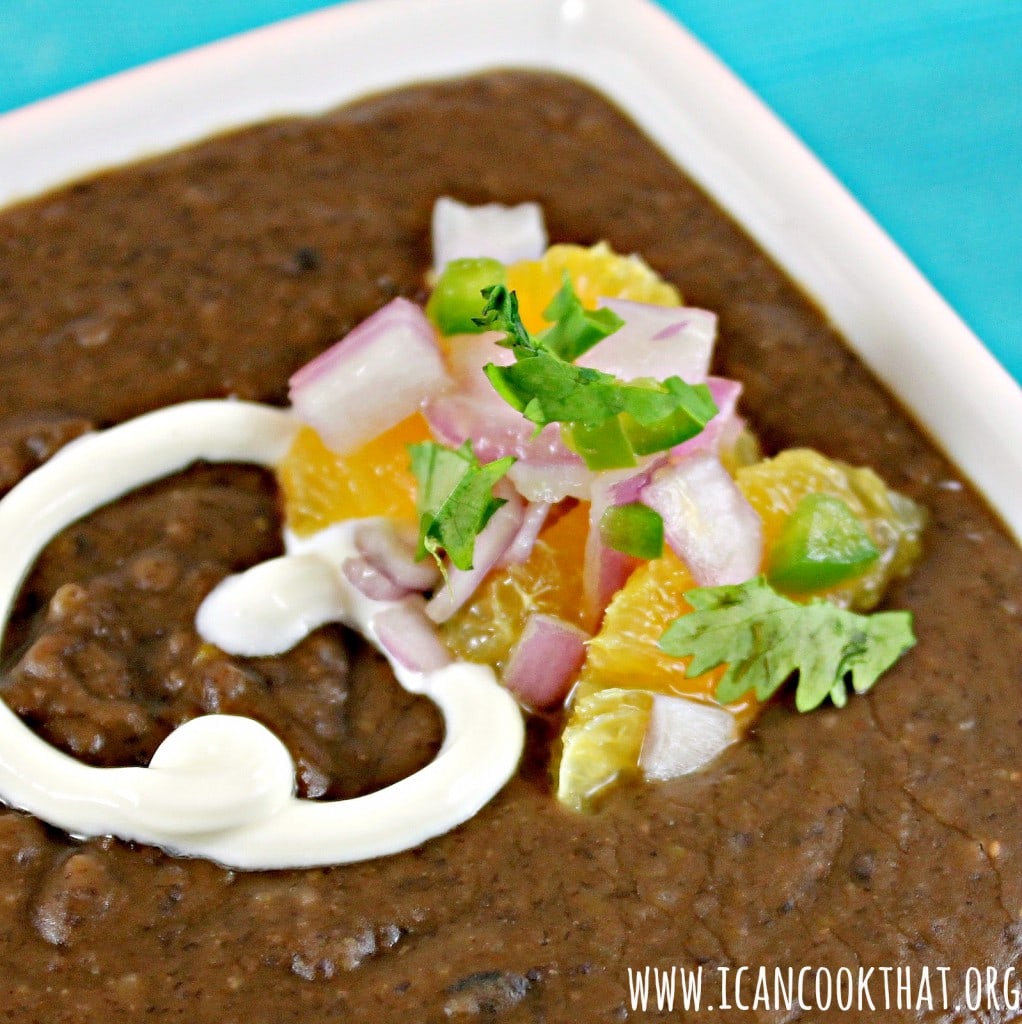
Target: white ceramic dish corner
708 122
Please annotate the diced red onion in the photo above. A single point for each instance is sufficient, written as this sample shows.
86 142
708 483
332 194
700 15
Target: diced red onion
405 633
370 380
521 547
656 341
493 427
604 573
467 354
370 581
725 396
495 538
551 482
605 569
708 523
394 556
545 661
472 410
504 489
730 434
505 233
683 736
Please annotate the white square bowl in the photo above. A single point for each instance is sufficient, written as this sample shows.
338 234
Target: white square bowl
686 100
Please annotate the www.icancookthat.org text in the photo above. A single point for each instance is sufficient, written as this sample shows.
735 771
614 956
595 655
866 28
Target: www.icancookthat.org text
860 989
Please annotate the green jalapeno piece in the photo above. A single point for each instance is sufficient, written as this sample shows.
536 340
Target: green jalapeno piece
634 529
457 297
822 543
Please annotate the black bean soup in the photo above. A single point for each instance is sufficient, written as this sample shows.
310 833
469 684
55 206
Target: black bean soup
886 833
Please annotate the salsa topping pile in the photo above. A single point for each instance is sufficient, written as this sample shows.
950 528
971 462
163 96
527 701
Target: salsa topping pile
555 485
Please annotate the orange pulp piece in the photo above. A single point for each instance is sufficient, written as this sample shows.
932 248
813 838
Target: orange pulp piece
549 581
321 487
625 653
595 272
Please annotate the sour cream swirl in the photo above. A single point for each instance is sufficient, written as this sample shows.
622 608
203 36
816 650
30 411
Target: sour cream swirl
222 786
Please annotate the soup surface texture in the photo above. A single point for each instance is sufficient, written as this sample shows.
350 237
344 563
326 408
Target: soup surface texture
884 834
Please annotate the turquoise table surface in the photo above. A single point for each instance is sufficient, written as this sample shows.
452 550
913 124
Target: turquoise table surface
916 105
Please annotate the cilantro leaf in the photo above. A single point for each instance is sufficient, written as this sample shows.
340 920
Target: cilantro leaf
545 385
501 313
545 389
455 499
575 329
763 638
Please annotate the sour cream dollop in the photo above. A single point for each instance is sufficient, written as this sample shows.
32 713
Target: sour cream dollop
222 786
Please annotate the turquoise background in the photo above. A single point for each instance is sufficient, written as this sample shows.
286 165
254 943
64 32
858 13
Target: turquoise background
916 105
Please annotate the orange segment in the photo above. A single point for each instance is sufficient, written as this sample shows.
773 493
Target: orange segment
625 652
595 272
610 708
321 487
550 581
601 744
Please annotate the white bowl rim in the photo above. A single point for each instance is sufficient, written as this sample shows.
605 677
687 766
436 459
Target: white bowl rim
707 121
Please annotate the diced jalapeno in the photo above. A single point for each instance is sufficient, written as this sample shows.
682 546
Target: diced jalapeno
646 439
602 447
657 435
457 297
634 529
821 543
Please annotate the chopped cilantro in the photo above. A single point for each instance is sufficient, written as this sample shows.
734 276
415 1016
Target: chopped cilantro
455 499
764 638
576 329
545 389
545 386
501 313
